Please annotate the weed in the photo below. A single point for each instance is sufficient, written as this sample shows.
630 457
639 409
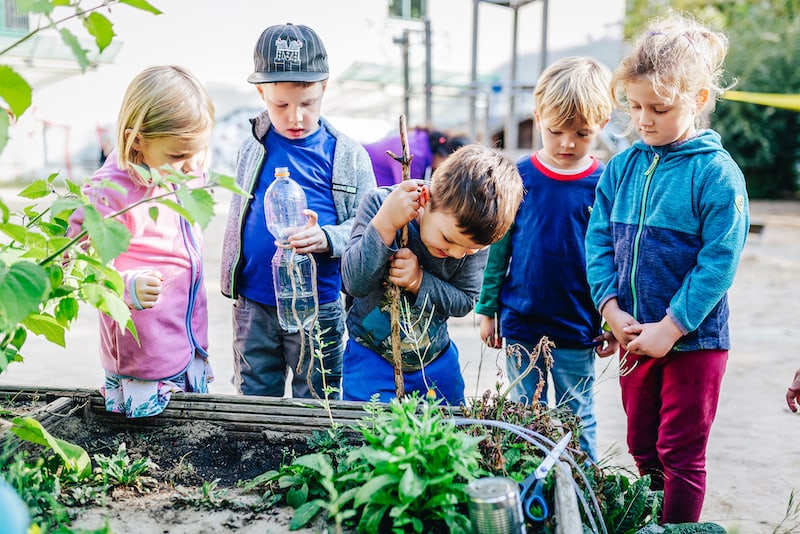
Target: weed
791 521
122 470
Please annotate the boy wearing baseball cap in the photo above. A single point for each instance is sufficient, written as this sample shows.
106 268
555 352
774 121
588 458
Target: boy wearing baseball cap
290 75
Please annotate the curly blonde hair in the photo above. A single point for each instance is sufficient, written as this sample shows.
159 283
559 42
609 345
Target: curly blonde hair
679 57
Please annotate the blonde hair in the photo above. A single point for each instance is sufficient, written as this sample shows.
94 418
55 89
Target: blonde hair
161 101
481 188
679 57
574 91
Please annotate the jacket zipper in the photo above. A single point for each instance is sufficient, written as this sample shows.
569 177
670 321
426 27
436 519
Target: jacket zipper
648 174
242 214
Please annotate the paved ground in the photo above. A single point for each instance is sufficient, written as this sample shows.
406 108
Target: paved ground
753 456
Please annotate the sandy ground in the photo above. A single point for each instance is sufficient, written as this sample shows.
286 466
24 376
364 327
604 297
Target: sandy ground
753 454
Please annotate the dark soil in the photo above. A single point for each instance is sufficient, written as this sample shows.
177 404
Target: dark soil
187 454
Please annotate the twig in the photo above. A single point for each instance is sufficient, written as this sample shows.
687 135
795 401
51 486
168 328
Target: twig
395 291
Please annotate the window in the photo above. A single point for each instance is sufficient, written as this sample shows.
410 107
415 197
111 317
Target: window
407 9
10 19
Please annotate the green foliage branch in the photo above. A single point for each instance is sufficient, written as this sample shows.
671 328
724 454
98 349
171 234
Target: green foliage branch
16 94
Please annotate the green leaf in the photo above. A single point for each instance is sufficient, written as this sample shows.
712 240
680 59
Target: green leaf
20 335
38 189
61 205
74 457
109 237
692 528
183 212
15 231
411 486
635 505
15 91
371 487
72 42
141 4
317 462
199 203
35 6
229 183
23 287
5 122
72 187
67 310
55 274
304 514
153 212
8 355
47 326
101 28
297 496
371 518
111 304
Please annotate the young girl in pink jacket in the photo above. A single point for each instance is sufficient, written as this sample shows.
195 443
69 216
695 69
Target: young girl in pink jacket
166 119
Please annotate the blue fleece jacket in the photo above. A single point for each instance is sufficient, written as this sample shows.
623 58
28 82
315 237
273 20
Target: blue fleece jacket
666 232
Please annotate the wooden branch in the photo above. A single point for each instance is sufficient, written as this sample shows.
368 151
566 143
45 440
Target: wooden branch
395 292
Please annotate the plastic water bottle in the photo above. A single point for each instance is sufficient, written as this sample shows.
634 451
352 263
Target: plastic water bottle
292 273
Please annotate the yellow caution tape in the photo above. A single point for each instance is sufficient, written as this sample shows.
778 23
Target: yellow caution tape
775 100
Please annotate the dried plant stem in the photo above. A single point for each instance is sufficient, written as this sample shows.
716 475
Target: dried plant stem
395 291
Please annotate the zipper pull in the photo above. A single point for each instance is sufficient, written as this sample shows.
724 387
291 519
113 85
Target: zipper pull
652 166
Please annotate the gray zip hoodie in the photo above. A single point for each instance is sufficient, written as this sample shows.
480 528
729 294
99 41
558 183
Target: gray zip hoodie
352 178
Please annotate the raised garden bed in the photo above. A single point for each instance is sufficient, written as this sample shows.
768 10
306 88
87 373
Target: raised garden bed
199 439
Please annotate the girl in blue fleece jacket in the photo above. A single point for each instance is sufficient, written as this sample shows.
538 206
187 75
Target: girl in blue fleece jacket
665 235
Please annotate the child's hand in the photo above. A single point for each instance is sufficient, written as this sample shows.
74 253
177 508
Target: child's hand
653 339
148 288
793 394
400 207
489 332
618 320
607 345
404 270
311 238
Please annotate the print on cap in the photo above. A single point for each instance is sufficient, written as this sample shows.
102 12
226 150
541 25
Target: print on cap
287 52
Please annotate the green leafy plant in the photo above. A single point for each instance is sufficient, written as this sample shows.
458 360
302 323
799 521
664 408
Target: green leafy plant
40 481
628 505
409 475
44 274
122 470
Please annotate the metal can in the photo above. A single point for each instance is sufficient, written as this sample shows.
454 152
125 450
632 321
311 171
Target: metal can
495 506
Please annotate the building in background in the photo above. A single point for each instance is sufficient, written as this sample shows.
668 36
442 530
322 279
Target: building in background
381 54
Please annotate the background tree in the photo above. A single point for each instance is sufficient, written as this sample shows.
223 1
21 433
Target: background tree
765 141
764 40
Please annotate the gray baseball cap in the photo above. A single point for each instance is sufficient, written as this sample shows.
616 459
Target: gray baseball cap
289 53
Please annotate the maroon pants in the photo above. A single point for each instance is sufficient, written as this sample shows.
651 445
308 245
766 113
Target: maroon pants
670 404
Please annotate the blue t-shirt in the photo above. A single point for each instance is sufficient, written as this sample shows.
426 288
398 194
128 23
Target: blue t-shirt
310 164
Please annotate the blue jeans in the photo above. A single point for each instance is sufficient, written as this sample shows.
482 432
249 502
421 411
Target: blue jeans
263 352
573 378
366 373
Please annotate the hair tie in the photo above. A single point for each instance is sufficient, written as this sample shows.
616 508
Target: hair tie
442 140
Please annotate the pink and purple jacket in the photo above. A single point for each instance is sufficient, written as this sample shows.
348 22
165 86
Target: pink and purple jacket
171 332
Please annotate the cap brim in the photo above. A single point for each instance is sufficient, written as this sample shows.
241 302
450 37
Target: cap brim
287 76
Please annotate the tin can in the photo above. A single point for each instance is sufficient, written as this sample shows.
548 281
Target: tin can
495 506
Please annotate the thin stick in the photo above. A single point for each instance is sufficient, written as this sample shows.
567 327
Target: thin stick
395 291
